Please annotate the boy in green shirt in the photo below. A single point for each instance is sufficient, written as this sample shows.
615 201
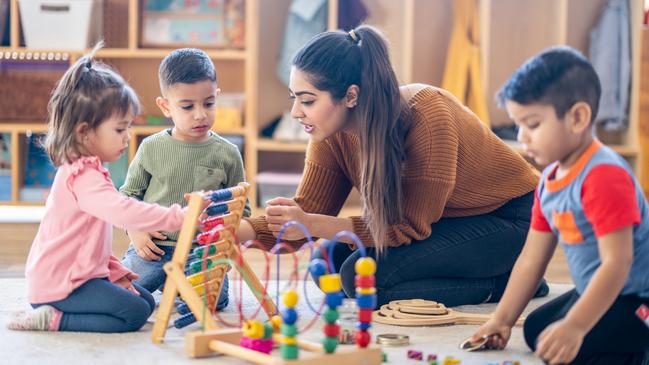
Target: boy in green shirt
188 157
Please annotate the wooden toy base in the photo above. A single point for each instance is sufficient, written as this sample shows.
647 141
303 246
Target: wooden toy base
419 312
202 344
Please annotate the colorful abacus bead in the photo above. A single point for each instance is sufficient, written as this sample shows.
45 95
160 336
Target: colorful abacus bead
288 346
209 236
365 298
212 222
220 195
331 285
215 209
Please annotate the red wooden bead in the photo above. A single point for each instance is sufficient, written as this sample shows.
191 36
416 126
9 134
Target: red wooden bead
364 281
332 330
363 338
365 315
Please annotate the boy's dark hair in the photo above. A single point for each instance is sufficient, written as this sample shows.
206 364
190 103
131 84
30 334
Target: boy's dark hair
187 66
558 76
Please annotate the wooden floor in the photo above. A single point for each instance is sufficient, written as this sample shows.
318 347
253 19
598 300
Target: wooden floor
15 240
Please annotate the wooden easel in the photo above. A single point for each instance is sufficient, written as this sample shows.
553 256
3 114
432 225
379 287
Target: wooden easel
226 248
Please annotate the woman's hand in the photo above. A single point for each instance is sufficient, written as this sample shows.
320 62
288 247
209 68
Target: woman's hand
560 342
282 210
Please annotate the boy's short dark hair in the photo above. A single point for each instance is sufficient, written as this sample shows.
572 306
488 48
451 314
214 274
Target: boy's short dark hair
558 76
187 66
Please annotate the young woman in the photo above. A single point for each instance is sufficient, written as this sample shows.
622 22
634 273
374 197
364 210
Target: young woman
446 204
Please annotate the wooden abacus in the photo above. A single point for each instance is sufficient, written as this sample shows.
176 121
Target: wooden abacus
225 211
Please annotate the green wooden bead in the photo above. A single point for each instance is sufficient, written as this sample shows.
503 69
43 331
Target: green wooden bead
268 330
289 330
330 315
289 352
329 344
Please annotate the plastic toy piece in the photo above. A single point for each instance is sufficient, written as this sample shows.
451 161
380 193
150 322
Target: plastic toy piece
415 355
449 360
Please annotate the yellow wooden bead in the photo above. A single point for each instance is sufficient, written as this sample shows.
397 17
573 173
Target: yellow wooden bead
289 340
253 329
365 266
290 298
330 283
276 322
366 291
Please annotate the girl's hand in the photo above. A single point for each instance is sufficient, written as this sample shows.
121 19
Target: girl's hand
497 331
282 210
560 342
126 283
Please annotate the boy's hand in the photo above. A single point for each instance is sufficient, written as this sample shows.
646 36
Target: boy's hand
497 331
559 343
144 247
126 282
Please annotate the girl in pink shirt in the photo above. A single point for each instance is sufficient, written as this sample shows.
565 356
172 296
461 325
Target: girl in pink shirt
73 280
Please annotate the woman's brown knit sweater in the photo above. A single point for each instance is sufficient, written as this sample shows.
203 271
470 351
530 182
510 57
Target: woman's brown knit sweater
454 167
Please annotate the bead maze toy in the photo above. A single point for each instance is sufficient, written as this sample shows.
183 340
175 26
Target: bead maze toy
419 312
217 248
250 339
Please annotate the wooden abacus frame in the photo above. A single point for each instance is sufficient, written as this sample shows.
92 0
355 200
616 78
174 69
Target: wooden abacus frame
228 248
227 341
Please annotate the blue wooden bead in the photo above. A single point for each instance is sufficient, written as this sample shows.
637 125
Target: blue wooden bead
221 195
334 300
183 308
317 268
366 301
363 326
289 316
216 209
184 320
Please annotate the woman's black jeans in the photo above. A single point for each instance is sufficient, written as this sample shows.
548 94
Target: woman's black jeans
464 261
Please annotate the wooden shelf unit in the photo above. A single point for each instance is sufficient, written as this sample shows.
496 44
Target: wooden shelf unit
419 32
237 71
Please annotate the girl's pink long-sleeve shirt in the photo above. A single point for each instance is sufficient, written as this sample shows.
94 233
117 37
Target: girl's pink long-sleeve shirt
74 240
